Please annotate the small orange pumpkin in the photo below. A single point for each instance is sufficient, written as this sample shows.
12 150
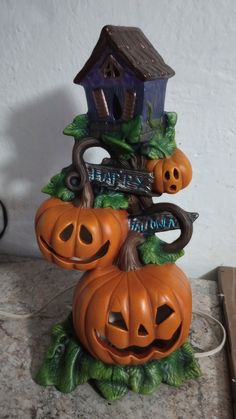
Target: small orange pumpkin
171 174
132 317
79 238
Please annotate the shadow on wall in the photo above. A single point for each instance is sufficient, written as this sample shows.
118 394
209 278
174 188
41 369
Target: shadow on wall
38 150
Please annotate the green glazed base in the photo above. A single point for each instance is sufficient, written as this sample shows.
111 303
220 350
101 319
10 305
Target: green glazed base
67 364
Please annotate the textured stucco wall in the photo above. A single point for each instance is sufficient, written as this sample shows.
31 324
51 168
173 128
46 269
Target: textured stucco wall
44 43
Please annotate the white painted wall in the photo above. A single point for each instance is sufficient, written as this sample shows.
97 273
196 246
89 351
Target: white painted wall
44 43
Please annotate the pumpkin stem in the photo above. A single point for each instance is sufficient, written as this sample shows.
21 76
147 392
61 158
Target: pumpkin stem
86 198
128 258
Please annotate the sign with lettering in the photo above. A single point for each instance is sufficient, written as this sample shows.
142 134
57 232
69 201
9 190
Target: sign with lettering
137 182
157 223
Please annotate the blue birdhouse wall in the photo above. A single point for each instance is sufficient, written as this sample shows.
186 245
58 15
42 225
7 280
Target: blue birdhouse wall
114 93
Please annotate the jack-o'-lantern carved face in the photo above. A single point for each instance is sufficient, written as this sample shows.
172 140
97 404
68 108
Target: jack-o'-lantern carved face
171 174
132 317
79 238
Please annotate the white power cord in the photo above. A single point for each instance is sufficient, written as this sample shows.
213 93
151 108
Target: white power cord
33 313
200 313
220 346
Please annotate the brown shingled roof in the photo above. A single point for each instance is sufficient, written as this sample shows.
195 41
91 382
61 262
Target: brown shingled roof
135 49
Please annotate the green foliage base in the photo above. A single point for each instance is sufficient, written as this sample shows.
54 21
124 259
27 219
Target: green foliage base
67 364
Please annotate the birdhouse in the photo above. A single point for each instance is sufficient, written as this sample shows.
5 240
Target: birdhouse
123 75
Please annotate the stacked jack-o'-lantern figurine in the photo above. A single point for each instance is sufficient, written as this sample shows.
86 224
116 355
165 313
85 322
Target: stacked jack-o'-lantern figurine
132 309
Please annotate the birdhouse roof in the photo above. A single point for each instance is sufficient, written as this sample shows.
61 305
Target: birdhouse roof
135 49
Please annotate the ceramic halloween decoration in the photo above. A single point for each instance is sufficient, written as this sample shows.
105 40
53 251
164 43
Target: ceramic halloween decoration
132 310
171 174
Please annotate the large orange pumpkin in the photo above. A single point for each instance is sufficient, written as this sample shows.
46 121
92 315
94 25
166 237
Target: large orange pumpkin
171 174
79 238
132 317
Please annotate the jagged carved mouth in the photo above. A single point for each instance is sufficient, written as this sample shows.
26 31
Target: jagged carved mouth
162 345
99 254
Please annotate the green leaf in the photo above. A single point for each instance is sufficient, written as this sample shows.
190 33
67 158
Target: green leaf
111 390
151 252
57 188
152 377
132 129
59 365
98 370
118 144
181 365
159 147
78 127
112 200
120 374
154 123
162 144
171 118
136 377
68 372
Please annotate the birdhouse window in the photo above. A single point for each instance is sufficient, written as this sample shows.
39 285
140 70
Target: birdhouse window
130 100
111 69
100 103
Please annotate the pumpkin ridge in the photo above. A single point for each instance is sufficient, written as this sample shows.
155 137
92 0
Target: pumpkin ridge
113 292
146 292
51 202
90 301
102 280
129 299
54 227
120 225
75 243
100 226
178 272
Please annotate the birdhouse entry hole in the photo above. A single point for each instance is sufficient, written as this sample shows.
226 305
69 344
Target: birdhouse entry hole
117 109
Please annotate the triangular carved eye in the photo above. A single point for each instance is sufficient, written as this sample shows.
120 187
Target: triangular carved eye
163 312
116 319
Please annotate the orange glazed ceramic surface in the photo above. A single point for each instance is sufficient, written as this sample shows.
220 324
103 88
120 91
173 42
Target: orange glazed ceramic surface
132 317
79 238
171 174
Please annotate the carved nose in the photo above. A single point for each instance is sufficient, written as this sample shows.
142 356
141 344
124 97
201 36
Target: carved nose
142 331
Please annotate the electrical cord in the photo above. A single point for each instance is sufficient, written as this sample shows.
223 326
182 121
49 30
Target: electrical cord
5 219
220 346
211 352
24 316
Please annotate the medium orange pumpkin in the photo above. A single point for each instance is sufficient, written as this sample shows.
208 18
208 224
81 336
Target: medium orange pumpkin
132 317
171 174
79 238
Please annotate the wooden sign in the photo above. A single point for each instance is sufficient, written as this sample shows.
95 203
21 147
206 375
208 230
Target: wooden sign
137 182
157 223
